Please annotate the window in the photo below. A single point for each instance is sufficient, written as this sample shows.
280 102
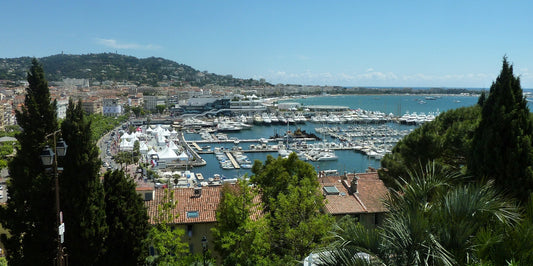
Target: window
193 214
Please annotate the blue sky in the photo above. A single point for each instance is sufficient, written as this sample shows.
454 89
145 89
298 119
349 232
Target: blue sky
348 43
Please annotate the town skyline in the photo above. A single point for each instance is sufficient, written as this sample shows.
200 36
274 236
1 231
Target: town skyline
443 44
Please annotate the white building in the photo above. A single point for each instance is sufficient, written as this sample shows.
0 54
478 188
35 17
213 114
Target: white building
61 107
112 107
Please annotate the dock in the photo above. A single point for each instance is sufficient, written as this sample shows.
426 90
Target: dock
195 145
232 160
245 140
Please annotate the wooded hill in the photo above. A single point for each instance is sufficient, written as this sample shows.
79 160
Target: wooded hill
118 68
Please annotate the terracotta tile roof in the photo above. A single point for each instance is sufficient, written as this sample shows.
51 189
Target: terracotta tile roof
344 203
205 205
369 197
372 191
144 188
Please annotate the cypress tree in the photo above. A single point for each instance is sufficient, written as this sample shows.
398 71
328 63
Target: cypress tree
82 193
501 148
30 214
127 219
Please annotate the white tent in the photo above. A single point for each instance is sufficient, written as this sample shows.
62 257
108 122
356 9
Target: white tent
161 140
173 133
173 146
126 145
159 129
143 148
183 157
167 155
151 151
125 136
166 133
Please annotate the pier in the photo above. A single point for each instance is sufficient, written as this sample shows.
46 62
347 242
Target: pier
196 142
232 160
196 146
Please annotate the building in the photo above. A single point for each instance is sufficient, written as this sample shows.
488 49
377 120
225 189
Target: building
200 105
286 106
151 102
62 105
136 100
247 104
92 105
111 107
195 213
359 195
147 193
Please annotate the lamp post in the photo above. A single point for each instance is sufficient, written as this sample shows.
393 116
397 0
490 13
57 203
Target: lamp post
48 158
204 248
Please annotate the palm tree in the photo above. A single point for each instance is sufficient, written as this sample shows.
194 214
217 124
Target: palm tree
433 220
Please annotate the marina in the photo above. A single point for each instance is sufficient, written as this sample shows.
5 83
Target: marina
215 149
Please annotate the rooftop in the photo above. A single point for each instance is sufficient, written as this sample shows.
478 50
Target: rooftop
190 208
368 199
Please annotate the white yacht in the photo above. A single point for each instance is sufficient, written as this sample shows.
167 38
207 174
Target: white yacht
326 155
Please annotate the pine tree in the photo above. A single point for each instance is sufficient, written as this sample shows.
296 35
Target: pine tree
82 193
501 148
30 214
127 219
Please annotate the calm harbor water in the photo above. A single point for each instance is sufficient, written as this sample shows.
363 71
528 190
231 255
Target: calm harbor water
348 160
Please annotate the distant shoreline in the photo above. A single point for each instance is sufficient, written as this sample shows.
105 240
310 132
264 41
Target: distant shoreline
283 98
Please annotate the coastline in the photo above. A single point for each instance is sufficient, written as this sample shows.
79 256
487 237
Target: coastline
285 98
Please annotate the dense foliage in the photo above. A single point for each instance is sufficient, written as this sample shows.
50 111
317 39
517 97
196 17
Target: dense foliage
82 193
30 214
435 219
491 142
101 124
127 219
240 239
446 141
291 224
501 147
118 68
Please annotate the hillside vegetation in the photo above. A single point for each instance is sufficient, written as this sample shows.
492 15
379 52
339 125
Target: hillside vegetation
118 68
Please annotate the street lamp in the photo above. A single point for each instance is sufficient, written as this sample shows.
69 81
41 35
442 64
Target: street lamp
204 247
48 158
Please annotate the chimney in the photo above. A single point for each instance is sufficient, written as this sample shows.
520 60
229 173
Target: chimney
197 192
353 185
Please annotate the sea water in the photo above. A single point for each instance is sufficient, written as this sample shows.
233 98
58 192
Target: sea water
348 160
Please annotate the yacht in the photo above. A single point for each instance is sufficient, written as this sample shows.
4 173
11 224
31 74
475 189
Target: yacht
258 119
266 119
228 127
326 155
274 119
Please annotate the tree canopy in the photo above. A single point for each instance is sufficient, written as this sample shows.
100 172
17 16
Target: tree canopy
445 141
82 193
127 219
501 147
30 214
292 202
